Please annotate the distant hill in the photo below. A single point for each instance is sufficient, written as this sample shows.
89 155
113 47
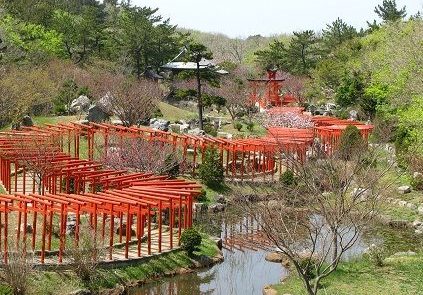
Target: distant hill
236 50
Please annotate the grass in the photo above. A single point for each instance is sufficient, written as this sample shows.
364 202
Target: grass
400 275
65 282
41 120
173 113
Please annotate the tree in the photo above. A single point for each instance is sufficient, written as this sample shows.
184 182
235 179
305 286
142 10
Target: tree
337 33
145 39
302 53
314 221
211 171
389 12
233 89
273 57
132 101
198 53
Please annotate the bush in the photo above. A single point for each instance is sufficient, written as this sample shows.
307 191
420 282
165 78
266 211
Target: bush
250 126
376 255
190 240
202 197
211 171
210 130
287 178
238 126
350 143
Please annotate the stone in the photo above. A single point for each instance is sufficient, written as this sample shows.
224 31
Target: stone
417 223
27 121
221 199
216 208
275 257
117 122
405 189
420 210
268 290
176 128
183 128
159 124
80 292
402 203
196 132
361 193
418 231
411 206
225 135
80 104
96 114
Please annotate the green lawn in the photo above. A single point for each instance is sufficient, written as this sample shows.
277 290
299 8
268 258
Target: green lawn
399 276
173 113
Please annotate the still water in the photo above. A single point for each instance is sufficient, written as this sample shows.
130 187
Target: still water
241 273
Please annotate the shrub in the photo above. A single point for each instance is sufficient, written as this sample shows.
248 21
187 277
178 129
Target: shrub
376 255
211 171
287 178
190 240
210 130
202 198
350 143
250 126
238 126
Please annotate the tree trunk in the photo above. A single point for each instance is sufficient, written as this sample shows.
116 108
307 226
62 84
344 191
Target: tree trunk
335 246
200 99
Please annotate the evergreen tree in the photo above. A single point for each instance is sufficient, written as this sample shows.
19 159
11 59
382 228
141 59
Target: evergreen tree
389 12
337 33
302 52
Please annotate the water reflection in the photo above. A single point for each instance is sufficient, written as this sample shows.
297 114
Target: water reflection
242 273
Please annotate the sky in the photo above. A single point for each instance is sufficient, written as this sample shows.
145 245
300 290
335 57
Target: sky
242 18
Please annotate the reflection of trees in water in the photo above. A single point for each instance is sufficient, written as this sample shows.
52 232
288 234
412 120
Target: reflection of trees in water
179 285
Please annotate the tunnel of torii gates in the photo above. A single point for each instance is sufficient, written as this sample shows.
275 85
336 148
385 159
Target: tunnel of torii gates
156 208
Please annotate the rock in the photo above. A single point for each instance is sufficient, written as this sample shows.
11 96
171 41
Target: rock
160 124
268 290
224 135
196 132
183 128
80 104
97 115
420 210
176 128
117 122
411 206
417 223
221 199
275 257
408 253
405 189
418 231
27 121
216 208
402 203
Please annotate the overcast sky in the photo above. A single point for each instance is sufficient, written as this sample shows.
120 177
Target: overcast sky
241 18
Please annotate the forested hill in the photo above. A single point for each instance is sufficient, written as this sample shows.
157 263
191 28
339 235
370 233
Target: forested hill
237 50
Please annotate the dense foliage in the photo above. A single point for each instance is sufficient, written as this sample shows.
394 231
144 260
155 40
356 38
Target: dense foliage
190 240
211 171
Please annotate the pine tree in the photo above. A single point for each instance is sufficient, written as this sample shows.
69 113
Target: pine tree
389 12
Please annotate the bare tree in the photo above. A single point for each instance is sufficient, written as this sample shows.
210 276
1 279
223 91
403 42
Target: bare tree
320 215
18 270
85 254
131 100
142 156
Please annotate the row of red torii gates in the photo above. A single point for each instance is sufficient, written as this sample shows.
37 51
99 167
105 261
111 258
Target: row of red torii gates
131 210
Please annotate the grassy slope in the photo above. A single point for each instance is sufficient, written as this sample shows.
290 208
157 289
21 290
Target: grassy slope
173 113
65 282
399 276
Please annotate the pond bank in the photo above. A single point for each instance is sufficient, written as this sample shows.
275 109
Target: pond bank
119 279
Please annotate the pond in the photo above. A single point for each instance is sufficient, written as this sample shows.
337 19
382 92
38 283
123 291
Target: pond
246 271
